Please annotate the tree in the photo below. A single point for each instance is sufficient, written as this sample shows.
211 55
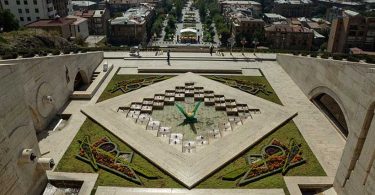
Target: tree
7 21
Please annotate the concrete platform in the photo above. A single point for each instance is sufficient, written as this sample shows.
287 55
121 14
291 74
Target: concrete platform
191 168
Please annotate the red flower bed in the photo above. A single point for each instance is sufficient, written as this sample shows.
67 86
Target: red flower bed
109 161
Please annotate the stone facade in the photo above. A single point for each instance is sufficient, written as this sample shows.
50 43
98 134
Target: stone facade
24 82
352 85
53 76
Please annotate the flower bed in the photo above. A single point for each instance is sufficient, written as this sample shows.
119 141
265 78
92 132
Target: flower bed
105 154
274 158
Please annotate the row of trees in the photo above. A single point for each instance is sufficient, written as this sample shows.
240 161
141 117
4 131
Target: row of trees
172 8
7 21
209 11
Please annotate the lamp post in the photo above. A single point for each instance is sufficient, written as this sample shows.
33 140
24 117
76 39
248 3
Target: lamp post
243 42
255 42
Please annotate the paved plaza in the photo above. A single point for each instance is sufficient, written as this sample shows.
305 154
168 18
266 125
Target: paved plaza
323 139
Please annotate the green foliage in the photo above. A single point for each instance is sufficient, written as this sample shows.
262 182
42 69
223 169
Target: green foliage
8 21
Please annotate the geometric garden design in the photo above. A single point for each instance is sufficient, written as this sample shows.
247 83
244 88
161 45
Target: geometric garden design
229 121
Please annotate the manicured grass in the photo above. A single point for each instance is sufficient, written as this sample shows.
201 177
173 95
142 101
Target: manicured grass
311 168
119 78
261 80
69 163
256 79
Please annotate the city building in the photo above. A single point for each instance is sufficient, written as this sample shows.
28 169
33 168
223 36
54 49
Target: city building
351 30
293 8
84 5
288 36
68 27
27 11
97 19
270 18
243 26
79 28
357 5
63 7
133 27
253 8
116 6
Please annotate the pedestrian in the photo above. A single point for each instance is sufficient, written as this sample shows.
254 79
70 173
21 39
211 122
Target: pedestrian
168 56
139 48
211 49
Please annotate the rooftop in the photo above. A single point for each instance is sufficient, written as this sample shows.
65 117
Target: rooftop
293 2
241 2
83 3
274 16
85 13
52 22
133 15
79 20
288 28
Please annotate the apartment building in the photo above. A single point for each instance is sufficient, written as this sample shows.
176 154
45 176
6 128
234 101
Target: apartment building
79 28
252 7
245 26
133 27
293 8
97 20
63 7
352 30
27 11
289 36
123 5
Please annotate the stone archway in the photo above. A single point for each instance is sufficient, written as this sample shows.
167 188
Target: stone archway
80 81
331 105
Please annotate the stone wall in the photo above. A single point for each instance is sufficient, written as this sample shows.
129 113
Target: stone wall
16 133
52 76
22 84
352 85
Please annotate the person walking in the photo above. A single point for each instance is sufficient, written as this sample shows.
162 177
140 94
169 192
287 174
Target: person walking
168 56
211 49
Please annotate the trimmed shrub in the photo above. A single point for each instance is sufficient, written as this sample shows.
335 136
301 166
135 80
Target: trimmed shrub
42 53
337 57
313 55
353 59
56 52
10 55
29 55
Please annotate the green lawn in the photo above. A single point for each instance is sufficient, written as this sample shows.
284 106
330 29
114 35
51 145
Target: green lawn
257 79
70 164
119 78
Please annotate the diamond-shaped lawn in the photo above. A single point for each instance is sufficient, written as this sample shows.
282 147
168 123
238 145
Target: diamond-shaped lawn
189 168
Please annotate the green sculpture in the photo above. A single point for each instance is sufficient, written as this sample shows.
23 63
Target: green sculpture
189 116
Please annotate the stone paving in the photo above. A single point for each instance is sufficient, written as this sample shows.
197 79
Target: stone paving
326 143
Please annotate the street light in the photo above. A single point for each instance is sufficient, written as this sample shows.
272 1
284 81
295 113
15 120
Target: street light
255 42
243 42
